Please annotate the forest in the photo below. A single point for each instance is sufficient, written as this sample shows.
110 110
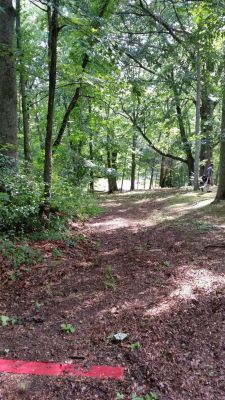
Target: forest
112 113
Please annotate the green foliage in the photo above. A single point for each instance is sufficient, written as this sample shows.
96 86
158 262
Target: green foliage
119 396
18 253
167 263
68 328
72 201
5 320
135 346
150 396
56 253
20 197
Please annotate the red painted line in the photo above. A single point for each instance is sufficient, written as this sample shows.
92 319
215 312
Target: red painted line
56 369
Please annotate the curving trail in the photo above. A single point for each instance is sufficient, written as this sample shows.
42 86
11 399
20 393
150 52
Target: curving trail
142 267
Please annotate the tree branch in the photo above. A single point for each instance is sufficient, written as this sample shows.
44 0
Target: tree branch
143 134
168 155
42 9
76 96
128 54
159 20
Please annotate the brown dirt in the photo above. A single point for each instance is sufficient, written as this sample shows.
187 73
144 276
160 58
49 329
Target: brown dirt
166 291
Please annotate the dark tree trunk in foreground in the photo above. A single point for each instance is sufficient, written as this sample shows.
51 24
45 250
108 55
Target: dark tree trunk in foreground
221 186
53 33
8 98
25 114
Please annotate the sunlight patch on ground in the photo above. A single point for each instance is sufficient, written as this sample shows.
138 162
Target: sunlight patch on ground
193 206
112 224
194 284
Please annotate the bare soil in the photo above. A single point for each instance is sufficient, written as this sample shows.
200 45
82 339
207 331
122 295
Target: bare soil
151 265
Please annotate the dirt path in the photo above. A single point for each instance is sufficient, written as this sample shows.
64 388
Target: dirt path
142 267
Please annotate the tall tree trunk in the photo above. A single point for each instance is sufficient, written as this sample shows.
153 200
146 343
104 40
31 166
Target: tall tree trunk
111 164
138 175
133 161
53 33
163 170
207 110
123 174
91 153
197 122
114 166
25 114
151 178
220 195
184 139
145 177
8 97
39 132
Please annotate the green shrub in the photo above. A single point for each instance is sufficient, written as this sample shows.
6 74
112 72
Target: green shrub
19 254
22 195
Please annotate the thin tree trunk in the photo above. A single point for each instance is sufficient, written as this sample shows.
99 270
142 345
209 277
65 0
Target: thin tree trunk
37 123
53 33
133 161
151 178
162 172
145 176
207 110
138 177
8 103
124 169
114 166
109 165
220 195
25 114
91 153
197 122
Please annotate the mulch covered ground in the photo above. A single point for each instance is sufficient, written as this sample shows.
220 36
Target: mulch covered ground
151 266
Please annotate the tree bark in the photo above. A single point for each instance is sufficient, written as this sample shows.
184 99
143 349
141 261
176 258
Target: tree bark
220 195
8 96
207 110
114 166
163 170
25 114
133 161
197 122
124 170
152 172
53 34
111 164
91 152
